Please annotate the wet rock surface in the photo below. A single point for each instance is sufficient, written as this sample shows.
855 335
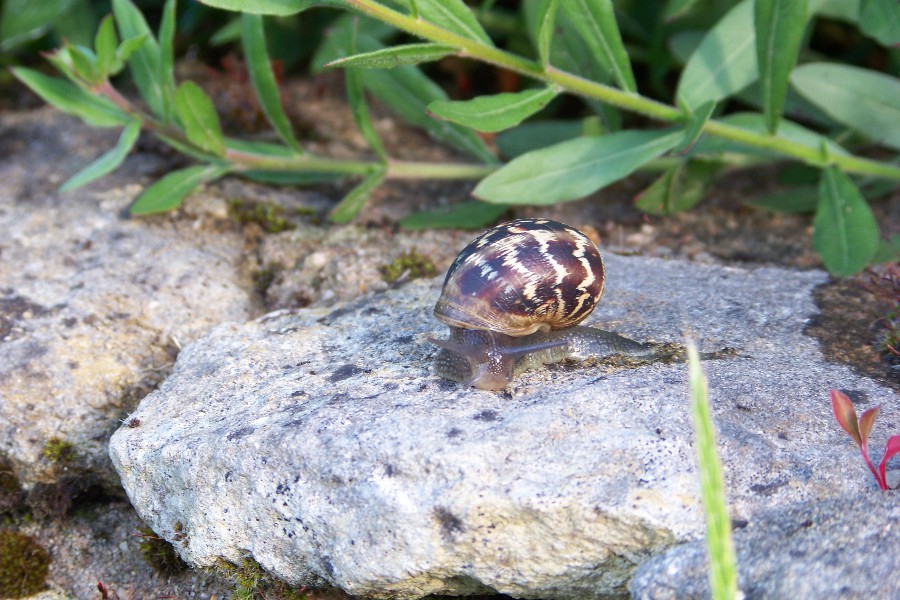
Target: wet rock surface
318 442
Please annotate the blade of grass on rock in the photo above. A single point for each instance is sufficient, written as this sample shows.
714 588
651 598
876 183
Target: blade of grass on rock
575 168
723 63
107 163
465 215
253 38
454 16
861 99
494 113
353 202
170 191
145 62
69 98
845 231
198 116
395 56
595 20
779 30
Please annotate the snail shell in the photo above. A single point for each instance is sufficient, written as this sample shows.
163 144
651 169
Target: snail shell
521 277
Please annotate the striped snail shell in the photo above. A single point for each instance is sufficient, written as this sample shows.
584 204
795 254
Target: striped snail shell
521 277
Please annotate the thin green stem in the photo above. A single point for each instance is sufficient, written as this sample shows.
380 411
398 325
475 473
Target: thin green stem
614 96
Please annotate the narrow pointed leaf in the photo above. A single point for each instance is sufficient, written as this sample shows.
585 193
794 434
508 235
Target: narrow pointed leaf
866 421
144 62
69 98
107 163
881 20
84 63
494 113
198 116
259 65
546 19
892 449
676 8
465 215
353 202
125 51
169 192
694 126
845 415
679 189
595 20
725 61
574 169
454 16
846 233
864 100
167 59
357 100
656 198
779 30
395 56
281 8
105 44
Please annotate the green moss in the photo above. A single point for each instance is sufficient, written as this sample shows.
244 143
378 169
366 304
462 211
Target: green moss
264 278
57 450
268 215
160 554
409 265
23 565
252 582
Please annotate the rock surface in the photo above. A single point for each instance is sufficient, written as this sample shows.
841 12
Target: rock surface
319 443
841 548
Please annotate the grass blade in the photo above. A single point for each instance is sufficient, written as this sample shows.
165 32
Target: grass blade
169 192
107 163
357 100
167 59
845 231
494 113
353 202
779 30
253 38
574 169
722 561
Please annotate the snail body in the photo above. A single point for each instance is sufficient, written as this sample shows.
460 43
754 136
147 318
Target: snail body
513 299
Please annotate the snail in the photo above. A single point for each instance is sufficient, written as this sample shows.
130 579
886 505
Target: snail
513 299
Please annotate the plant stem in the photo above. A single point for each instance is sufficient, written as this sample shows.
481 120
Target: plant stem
614 96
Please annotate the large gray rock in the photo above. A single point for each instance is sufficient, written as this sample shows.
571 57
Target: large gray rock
92 305
841 548
321 444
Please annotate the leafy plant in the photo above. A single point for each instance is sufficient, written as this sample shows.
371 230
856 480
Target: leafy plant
720 547
581 48
859 429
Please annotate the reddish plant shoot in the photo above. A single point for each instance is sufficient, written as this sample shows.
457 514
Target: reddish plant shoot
859 429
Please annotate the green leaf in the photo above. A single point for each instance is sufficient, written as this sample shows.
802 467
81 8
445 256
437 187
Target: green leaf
454 16
842 10
465 215
574 169
595 20
679 189
145 60
78 24
107 163
395 56
724 63
69 98
198 116
105 44
694 127
846 233
167 59
888 251
546 18
357 100
779 31
535 135
881 20
863 100
253 38
353 202
169 192
24 20
271 7
125 51
800 199
84 63
494 113
677 8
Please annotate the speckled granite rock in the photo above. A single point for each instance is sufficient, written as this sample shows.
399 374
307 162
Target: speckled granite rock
320 443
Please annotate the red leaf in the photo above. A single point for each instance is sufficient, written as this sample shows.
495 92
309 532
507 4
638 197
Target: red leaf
845 415
892 449
866 420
